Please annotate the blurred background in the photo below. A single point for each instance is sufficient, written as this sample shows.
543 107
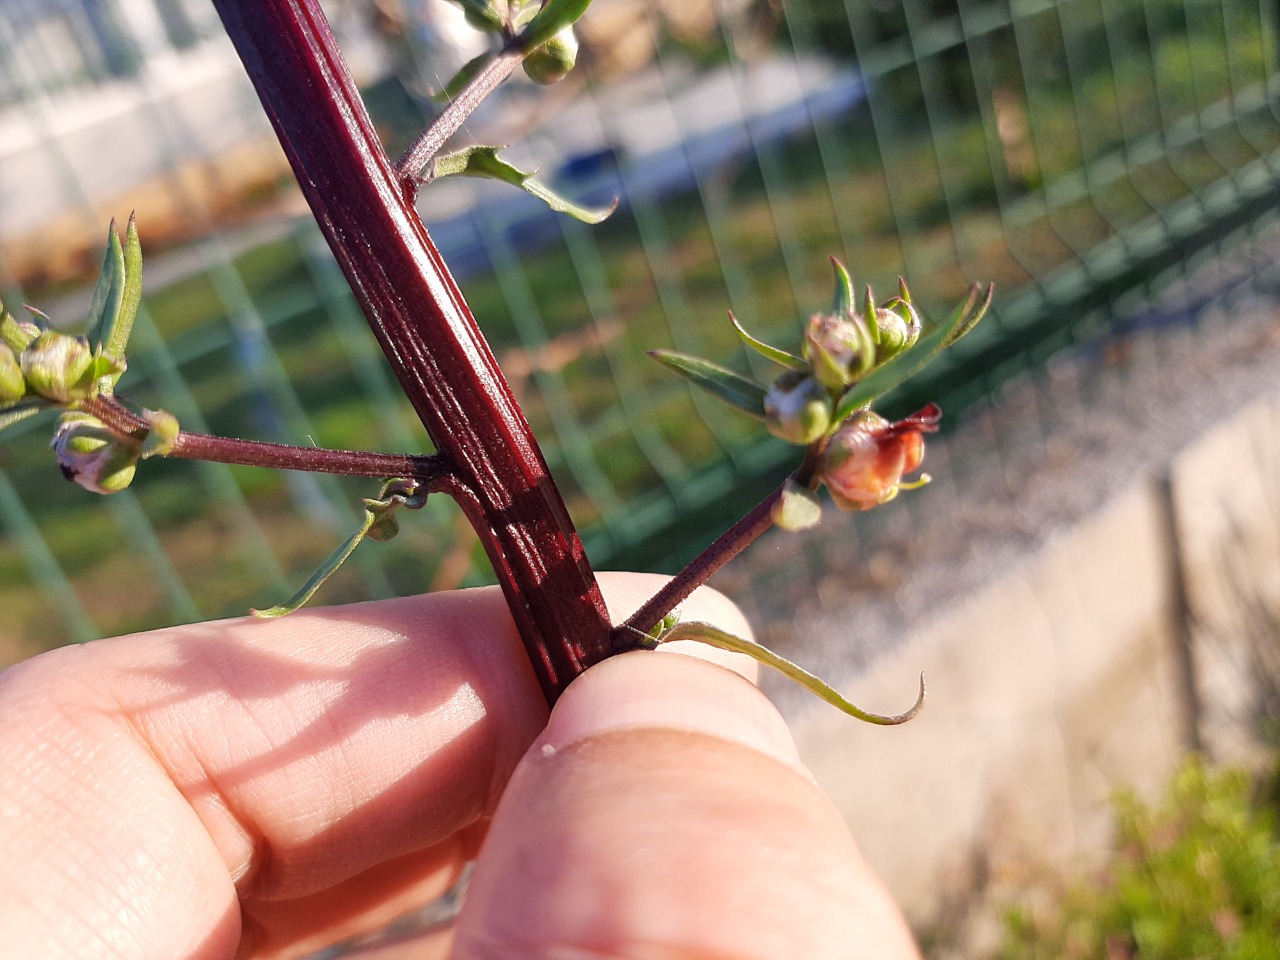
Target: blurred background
1078 154
1113 165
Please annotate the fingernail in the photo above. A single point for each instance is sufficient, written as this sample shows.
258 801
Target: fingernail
670 691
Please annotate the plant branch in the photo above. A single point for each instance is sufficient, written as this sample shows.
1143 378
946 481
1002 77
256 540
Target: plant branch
431 470
414 162
633 631
426 330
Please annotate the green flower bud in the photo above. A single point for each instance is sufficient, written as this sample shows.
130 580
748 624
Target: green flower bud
797 408
552 61
899 325
839 348
92 456
59 367
12 384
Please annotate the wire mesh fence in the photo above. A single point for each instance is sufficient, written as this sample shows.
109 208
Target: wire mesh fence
1084 155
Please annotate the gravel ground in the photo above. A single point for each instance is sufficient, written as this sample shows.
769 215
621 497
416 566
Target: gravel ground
1045 453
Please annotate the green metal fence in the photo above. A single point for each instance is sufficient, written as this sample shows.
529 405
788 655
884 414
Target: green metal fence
1081 153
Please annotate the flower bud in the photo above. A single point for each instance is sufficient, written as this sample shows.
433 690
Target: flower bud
551 62
12 384
58 367
92 456
868 455
838 347
797 408
899 328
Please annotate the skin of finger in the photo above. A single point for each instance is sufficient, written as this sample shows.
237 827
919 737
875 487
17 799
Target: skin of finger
651 842
147 781
286 757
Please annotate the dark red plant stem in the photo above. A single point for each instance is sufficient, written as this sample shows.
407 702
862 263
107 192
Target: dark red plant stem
631 632
431 470
413 162
426 330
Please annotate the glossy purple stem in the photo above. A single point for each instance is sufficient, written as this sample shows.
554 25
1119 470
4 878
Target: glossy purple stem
426 330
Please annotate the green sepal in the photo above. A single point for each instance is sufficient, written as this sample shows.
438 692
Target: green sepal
842 300
554 16
483 15
910 362
715 637
378 524
116 341
16 335
732 388
458 82
797 508
483 161
21 410
780 357
870 317
108 292
164 431
13 385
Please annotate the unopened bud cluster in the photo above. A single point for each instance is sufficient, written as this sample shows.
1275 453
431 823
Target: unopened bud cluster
850 355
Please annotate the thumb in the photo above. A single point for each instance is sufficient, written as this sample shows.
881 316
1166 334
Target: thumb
664 813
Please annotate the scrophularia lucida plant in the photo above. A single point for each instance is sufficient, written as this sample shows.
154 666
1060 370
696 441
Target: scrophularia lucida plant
486 457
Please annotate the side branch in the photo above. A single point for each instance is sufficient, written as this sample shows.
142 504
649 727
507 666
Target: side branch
431 470
413 162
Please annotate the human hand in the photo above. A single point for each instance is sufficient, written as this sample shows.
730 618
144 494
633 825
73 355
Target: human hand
262 788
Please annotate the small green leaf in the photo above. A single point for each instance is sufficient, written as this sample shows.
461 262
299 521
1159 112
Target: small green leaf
715 637
842 301
780 357
458 82
910 362
554 16
379 524
326 570
483 161
732 388
108 293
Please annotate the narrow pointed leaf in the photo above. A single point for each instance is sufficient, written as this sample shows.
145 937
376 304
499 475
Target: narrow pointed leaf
326 570
115 339
732 388
780 357
554 16
483 161
715 637
910 362
108 293
842 301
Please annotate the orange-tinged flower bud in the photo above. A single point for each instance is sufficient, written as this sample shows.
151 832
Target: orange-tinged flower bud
868 456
